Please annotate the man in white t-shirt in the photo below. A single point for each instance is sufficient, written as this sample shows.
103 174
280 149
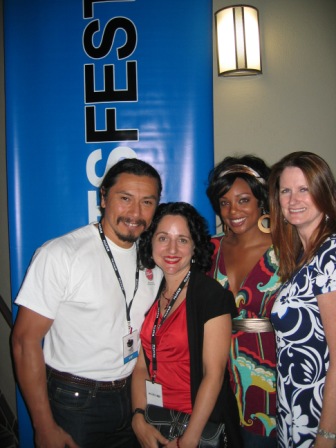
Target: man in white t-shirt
85 296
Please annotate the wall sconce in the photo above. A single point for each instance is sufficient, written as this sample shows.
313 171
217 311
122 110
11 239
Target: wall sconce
238 42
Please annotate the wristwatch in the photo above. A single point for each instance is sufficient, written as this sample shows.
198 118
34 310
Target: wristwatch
138 411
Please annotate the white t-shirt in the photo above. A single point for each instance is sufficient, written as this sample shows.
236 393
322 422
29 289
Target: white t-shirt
71 280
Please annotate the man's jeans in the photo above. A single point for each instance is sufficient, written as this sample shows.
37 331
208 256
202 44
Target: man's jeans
94 418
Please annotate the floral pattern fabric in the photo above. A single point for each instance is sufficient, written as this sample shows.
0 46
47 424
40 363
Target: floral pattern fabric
252 355
302 351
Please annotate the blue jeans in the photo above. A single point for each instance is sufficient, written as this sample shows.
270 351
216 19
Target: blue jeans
94 418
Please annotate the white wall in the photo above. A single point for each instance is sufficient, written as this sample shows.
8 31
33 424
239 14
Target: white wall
292 105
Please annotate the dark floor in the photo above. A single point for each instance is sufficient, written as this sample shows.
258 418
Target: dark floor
7 438
8 426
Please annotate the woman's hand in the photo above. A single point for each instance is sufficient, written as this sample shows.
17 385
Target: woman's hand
172 444
182 443
147 435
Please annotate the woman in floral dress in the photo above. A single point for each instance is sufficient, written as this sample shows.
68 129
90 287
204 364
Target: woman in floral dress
245 262
303 214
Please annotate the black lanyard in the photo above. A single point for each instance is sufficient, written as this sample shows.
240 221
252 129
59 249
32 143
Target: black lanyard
156 325
115 268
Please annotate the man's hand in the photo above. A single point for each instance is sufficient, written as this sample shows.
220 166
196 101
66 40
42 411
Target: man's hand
54 437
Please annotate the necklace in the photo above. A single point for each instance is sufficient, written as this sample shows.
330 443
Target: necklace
167 299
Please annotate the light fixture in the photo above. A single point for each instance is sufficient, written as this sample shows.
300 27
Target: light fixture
238 42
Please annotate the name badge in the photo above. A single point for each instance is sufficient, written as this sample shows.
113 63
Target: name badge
130 346
154 393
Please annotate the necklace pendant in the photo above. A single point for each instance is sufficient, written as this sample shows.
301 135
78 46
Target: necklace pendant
167 299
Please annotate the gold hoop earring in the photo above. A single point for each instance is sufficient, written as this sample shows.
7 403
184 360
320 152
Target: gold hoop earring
226 229
261 225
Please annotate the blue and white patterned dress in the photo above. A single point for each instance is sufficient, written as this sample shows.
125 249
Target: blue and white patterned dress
302 351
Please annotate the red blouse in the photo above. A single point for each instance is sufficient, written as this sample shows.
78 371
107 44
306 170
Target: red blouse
172 354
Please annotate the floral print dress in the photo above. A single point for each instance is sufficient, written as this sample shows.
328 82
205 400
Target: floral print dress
252 355
302 351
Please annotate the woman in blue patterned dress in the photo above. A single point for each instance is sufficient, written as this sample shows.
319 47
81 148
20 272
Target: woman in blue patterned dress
244 262
303 216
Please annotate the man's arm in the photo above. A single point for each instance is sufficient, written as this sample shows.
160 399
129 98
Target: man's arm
29 330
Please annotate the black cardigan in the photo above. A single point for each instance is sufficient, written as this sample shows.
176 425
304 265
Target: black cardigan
206 299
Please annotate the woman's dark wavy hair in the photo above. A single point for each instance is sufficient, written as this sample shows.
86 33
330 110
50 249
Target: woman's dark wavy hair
198 228
322 187
218 185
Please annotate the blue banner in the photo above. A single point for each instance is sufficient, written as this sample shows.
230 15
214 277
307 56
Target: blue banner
87 83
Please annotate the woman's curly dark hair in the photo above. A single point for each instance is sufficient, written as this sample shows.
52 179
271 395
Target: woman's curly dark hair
198 228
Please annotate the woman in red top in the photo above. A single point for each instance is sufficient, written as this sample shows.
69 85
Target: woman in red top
191 324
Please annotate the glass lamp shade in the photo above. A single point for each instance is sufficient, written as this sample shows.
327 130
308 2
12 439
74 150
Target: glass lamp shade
238 41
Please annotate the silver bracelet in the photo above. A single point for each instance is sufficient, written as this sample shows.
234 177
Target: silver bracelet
326 434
